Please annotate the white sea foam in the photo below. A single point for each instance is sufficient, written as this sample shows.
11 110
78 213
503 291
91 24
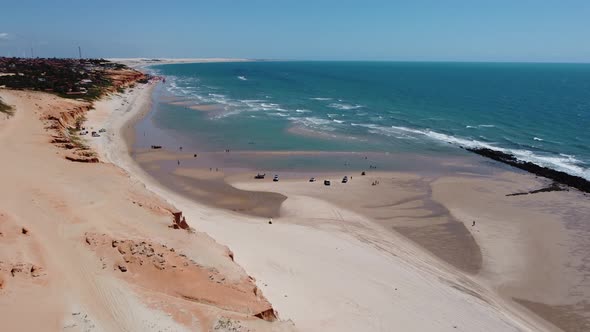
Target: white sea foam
344 106
537 139
217 95
321 98
251 101
269 105
302 111
481 126
242 78
313 122
337 121
561 162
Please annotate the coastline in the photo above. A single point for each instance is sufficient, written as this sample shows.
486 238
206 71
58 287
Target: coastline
378 251
250 260
140 63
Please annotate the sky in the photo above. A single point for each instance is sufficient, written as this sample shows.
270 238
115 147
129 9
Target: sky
419 30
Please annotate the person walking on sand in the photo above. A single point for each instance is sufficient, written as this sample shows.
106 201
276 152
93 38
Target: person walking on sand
178 162
473 223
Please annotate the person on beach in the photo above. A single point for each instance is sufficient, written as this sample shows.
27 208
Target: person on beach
178 162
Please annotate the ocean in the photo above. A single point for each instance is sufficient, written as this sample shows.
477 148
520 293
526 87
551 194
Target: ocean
537 112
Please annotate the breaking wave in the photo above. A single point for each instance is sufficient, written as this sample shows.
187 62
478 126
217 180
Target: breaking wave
345 107
562 162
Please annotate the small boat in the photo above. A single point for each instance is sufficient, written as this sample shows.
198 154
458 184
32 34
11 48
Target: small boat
155 147
275 178
260 176
326 182
345 179
312 180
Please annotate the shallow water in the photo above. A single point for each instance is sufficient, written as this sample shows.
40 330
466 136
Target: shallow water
539 112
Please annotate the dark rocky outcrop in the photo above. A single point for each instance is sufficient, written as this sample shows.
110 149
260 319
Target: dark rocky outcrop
553 187
83 159
557 176
268 315
179 222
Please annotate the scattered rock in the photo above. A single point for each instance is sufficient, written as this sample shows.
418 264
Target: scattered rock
25 231
15 270
123 268
35 271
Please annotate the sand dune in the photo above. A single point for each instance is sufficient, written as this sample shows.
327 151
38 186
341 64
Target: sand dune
53 279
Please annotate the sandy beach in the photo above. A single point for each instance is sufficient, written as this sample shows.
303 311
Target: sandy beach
402 254
303 278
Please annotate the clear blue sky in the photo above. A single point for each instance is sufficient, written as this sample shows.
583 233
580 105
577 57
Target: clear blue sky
435 30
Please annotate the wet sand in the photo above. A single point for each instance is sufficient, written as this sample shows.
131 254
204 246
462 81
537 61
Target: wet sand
416 207
400 202
421 206
404 203
528 248
206 184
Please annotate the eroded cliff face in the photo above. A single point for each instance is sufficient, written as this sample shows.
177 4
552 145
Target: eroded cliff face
163 271
125 78
67 122
65 125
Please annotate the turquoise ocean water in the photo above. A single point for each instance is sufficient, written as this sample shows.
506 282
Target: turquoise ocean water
538 112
